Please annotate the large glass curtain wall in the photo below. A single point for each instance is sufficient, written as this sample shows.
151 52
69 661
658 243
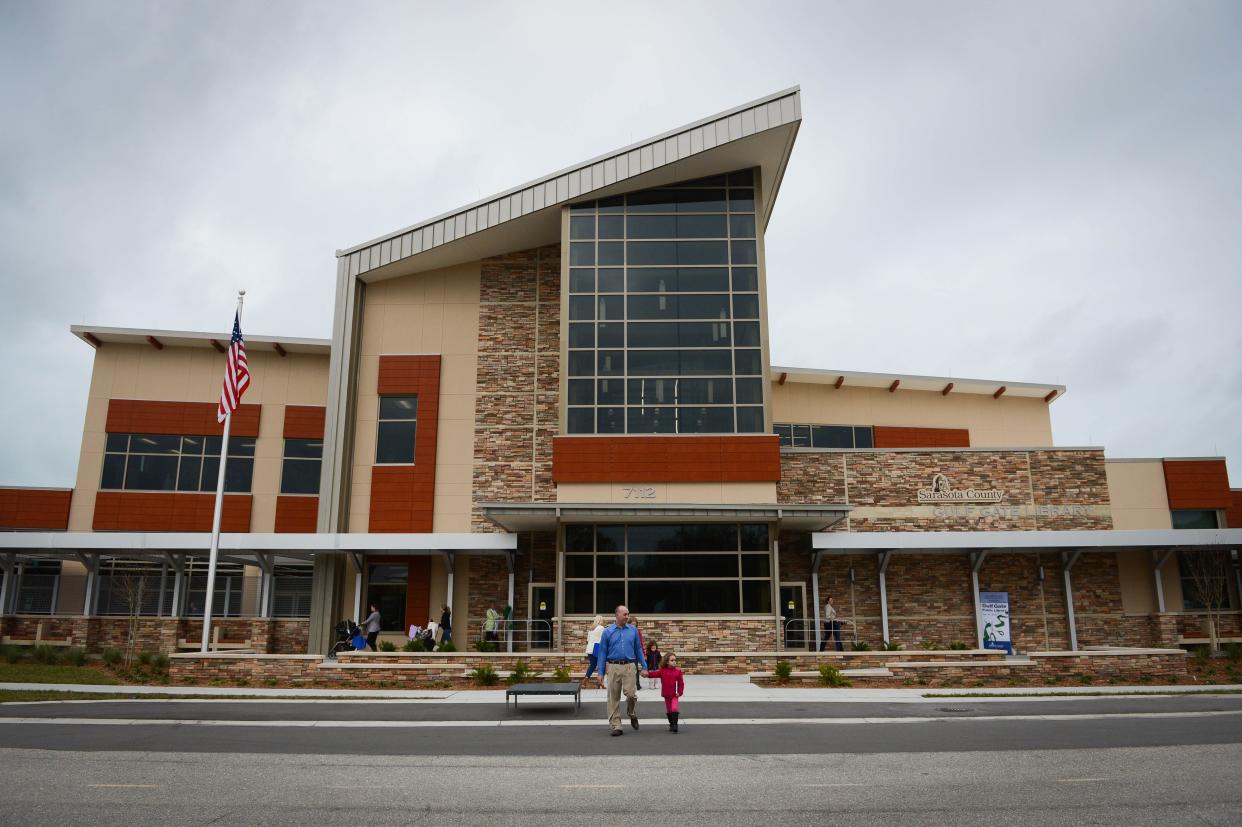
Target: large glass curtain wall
664 331
668 569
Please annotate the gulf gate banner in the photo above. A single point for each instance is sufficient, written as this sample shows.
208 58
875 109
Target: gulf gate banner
994 615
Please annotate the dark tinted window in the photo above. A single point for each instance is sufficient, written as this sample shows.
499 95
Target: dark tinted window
394 442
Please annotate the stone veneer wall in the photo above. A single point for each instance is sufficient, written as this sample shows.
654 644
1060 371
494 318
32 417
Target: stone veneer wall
929 596
518 382
160 634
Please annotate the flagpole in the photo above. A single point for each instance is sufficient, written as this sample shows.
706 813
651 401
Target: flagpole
215 519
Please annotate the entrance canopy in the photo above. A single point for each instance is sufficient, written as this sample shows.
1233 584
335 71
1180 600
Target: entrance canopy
932 542
547 516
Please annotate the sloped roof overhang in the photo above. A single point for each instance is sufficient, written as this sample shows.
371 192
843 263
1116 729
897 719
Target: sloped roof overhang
756 134
959 542
547 516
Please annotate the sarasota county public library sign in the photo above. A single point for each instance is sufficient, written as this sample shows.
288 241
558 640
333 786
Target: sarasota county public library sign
951 502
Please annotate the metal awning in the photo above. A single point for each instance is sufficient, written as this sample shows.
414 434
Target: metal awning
245 547
547 516
952 542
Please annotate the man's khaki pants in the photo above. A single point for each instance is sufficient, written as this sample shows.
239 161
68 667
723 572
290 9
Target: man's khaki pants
621 676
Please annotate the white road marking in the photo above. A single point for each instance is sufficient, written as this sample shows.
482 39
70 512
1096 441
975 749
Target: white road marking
832 785
1083 780
592 786
126 786
579 722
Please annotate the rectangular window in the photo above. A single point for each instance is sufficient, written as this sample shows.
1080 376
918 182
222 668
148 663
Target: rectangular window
291 590
709 568
656 283
300 471
398 425
823 436
162 462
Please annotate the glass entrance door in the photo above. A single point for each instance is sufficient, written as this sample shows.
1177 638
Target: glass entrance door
796 629
542 610
387 585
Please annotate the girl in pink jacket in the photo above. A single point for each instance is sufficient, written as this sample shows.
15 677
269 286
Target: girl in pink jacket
672 687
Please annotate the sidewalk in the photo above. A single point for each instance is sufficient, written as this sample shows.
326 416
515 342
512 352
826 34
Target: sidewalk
713 688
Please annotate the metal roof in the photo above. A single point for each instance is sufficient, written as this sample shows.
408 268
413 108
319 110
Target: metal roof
96 336
845 542
912 382
538 516
759 133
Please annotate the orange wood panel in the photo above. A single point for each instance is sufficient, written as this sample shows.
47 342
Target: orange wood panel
145 416
1197 483
666 459
403 496
1233 517
887 436
169 511
304 421
297 515
35 508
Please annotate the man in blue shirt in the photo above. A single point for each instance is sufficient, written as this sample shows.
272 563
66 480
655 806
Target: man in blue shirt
621 656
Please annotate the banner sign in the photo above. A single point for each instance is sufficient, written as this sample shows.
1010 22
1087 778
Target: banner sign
994 615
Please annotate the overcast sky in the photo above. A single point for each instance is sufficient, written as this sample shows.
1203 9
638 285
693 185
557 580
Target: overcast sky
1041 192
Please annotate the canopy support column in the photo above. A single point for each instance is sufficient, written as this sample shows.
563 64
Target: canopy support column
816 559
356 558
9 565
976 563
177 564
885 556
266 584
91 599
510 564
1158 561
776 593
1068 559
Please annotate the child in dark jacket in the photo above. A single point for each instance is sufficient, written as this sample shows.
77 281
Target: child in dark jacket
672 687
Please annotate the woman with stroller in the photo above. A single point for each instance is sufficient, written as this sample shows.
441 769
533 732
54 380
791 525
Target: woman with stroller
372 626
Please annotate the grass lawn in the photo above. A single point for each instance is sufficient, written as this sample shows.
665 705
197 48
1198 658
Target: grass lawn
27 672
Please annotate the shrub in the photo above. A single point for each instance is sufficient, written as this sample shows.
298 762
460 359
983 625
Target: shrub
1233 651
270 681
485 646
12 654
113 656
45 654
484 676
783 671
830 675
561 674
860 646
145 658
415 645
159 662
387 646
1202 654
520 672
446 646
958 646
931 645
890 646
75 656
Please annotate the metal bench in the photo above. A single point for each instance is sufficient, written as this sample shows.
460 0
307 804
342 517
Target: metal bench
572 688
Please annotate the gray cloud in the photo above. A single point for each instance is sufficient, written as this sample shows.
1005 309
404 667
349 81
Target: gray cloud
1046 193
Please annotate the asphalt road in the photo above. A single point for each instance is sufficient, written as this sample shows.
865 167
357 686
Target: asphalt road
951 761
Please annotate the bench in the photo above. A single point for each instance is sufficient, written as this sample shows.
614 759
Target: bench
38 640
572 688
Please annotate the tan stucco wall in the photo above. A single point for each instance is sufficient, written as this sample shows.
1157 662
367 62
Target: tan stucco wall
179 374
428 313
1008 422
707 493
1139 501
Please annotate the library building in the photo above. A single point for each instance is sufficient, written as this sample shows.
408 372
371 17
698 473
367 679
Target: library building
559 399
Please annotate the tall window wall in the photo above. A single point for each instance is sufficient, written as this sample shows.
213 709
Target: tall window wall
664 332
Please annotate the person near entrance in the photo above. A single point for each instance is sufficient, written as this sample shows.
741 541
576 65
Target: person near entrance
446 623
490 618
372 626
592 650
621 653
832 625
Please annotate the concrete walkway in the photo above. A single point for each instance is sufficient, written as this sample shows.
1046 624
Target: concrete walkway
716 688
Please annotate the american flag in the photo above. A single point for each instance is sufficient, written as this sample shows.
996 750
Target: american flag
236 374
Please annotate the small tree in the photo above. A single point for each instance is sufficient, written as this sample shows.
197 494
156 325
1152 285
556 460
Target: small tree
131 585
1208 571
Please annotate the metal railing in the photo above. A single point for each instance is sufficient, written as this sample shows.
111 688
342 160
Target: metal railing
799 633
514 635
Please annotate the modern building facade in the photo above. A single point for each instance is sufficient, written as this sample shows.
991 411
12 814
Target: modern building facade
559 399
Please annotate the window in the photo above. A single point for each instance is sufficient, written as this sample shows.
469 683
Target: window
291 590
1199 518
300 471
824 436
704 568
663 299
398 421
135 587
38 585
160 462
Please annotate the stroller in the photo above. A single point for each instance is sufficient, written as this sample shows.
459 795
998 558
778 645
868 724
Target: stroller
349 637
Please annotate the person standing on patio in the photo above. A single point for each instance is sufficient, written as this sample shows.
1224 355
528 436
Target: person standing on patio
592 650
832 625
446 623
621 654
490 619
372 626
